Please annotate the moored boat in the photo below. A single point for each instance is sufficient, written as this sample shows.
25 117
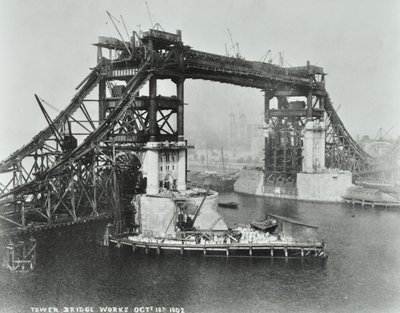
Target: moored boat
266 225
231 205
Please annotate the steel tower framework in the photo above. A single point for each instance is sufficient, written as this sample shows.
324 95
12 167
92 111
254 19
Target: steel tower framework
56 179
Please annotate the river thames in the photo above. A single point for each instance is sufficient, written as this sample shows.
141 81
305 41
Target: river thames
361 273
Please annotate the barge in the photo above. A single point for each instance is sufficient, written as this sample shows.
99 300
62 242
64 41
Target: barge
188 223
370 197
267 249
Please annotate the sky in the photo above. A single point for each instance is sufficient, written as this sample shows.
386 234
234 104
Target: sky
46 49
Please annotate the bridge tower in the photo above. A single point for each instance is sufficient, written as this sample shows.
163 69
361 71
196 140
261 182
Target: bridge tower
154 125
294 131
165 161
313 147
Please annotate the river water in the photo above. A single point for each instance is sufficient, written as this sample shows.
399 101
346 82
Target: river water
361 274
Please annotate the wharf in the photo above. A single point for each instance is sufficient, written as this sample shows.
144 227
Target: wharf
371 197
371 203
271 249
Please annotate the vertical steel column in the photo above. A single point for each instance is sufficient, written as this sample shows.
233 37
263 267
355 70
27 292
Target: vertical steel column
13 267
308 154
48 207
275 155
296 164
153 109
94 182
152 168
180 115
116 198
309 106
284 143
267 116
279 133
72 191
181 179
267 97
23 213
322 106
102 102
99 54
133 42
150 50
181 166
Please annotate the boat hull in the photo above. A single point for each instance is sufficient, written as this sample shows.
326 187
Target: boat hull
229 205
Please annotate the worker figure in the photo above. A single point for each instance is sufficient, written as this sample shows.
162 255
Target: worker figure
189 223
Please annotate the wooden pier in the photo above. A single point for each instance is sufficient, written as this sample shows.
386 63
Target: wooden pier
272 249
372 204
373 197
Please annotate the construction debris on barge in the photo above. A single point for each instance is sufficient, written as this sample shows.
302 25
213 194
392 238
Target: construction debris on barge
188 222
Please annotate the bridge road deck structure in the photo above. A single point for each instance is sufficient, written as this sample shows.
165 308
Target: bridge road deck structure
86 165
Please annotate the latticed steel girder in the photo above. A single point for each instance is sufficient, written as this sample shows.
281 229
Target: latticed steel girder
342 151
79 190
74 185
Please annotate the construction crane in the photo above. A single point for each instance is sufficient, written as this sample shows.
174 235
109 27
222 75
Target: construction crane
148 12
126 29
265 56
234 47
119 33
381 135
67 142
156 26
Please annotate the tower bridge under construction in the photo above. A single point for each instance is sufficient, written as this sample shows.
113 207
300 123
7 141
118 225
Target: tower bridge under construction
87 166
